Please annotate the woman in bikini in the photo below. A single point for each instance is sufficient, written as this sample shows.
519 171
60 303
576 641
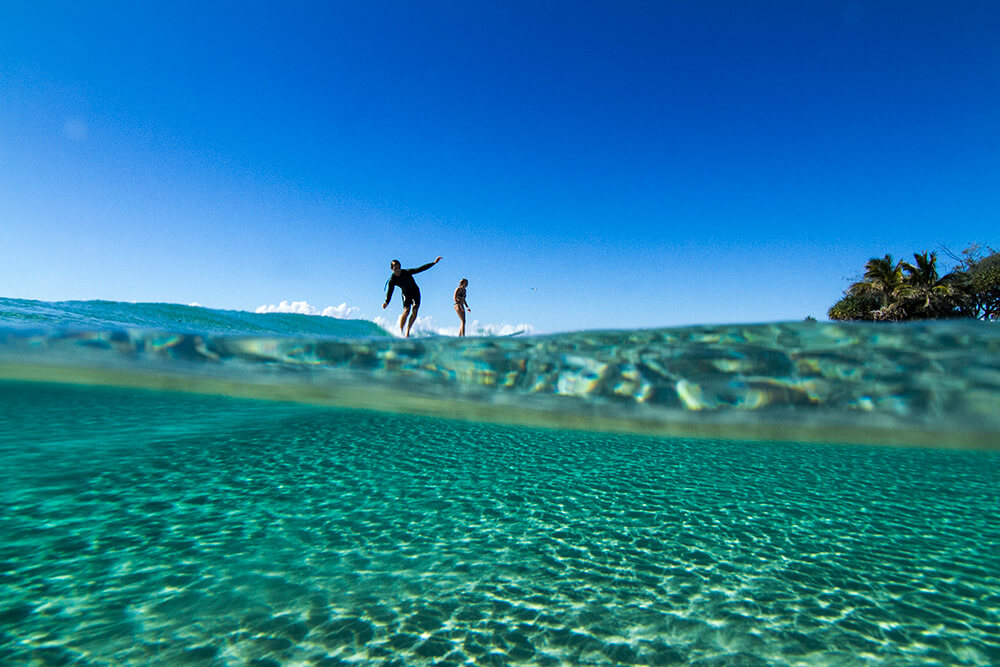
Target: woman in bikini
460 304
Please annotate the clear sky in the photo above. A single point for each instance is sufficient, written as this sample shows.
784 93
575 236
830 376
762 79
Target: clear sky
586 165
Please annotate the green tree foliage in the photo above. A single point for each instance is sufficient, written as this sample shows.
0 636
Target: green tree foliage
926 296
897 291
878 289
856 307
982 283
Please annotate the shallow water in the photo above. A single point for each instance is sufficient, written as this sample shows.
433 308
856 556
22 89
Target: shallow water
162 528
187 486
932 384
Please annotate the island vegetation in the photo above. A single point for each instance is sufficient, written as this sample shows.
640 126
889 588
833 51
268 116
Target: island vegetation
896 291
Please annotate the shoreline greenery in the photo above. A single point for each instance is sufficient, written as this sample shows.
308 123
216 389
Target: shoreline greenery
892 291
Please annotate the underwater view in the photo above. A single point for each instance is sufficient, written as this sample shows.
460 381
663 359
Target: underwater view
197 487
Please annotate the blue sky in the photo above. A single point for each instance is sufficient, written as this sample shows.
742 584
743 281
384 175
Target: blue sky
586 165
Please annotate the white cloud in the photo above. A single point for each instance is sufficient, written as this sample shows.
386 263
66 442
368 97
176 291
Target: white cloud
341 312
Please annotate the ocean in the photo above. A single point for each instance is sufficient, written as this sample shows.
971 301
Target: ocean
192 486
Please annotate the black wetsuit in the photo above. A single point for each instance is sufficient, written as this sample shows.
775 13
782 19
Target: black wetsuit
407 285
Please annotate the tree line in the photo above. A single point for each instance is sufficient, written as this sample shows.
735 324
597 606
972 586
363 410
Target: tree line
894 291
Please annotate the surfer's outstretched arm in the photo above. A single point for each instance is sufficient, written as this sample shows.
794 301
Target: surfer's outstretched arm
425 266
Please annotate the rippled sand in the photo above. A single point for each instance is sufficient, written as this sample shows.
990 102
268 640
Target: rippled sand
145 528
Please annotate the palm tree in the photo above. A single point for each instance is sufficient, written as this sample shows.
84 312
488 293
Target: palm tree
972 289
925 295
882 281
924 272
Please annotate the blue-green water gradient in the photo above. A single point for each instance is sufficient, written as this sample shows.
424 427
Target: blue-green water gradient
155 528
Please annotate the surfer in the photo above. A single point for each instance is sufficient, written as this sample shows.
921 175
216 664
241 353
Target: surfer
411 293
461 305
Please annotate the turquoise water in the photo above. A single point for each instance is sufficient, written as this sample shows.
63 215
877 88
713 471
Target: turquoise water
173 317
192 526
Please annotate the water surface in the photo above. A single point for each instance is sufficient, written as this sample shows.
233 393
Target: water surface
234 494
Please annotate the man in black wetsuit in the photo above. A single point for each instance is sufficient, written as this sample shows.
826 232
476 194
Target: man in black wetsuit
411 293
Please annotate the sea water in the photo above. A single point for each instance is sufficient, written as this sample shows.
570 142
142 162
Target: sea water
199 487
